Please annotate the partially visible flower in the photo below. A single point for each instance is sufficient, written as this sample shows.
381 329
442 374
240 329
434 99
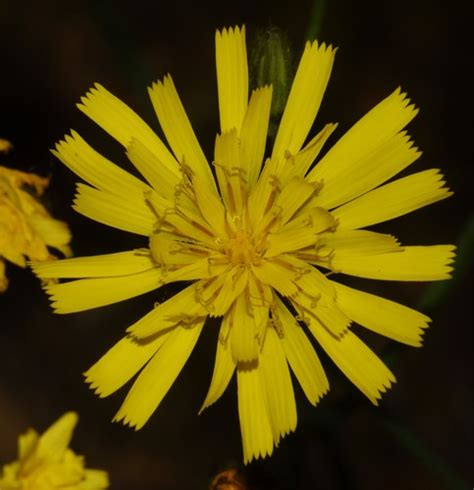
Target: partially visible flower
26 227
250 243
5 146
228 480
45 462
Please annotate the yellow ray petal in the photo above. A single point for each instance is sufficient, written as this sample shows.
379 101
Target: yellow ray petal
120 363
371 170
27 443
311 280
170 250
235 283
123 124
94 480
95 169
122 212
394 199
277 275
382 315
318 219
116 264
53 232
301 356
207 290
356 361
316 297
84 294
284 241
224 368
191 225
16 257
232 77
278 387
195 270
178 130
353 243
55 440
305 98
243 334
159 176
184 199
419 263
324 309
370 133
300 236
293 196
298 164
230 174
257 437
157 377
182 308
253 135
211 207
261 209
159 207
260 298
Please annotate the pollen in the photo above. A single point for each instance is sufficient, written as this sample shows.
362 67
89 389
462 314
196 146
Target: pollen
240 250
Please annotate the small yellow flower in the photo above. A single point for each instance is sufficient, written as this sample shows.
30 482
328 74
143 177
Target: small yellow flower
26 227
46 463
249 244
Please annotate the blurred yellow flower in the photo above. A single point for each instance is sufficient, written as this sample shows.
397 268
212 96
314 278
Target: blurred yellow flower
249 243
46 463
5 146
26 227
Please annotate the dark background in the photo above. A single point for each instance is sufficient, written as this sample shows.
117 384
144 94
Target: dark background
421 437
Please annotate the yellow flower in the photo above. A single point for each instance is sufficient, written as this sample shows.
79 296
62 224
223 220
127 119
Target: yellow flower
46 463
26 227
251 244
5 146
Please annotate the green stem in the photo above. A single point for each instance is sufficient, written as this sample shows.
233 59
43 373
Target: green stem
316 19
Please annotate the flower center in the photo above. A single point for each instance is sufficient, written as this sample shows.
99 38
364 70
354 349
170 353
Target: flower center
240 249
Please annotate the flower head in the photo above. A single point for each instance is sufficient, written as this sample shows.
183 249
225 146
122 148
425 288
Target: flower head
251 241
45 462
26 227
